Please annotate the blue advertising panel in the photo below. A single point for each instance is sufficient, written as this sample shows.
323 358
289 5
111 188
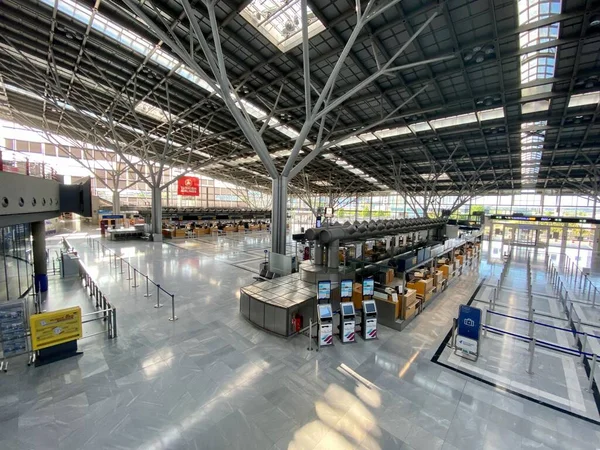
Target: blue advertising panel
469 321
368 287
346 288
324 290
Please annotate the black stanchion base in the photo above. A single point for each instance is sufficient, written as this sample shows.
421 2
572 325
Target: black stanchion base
56 353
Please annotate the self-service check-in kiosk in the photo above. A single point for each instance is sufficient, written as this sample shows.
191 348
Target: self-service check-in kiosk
368 324
325 332
347 322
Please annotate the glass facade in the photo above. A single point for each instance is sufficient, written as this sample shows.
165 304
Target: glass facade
15 251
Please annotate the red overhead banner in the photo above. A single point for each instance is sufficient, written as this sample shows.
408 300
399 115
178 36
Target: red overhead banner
188 186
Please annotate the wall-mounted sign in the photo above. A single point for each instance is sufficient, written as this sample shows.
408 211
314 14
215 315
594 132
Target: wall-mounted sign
55 327
189 186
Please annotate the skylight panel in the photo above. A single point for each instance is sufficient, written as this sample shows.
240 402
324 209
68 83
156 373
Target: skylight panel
151 111
420 126
490 114
367 137
433 176
280 21
391 132
589 98
453 121
536 90
533 107
350 141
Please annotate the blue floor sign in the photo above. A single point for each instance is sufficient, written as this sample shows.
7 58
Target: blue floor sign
467 339
469 321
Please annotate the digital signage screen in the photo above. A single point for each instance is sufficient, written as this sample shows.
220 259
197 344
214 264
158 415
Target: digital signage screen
346 288
368 287
324 290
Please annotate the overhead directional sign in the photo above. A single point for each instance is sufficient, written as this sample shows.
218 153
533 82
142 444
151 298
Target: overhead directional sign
545 219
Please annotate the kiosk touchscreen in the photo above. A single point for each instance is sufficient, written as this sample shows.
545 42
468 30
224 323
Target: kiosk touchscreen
325 334
347 322
369 320
324 291
346 288
368 287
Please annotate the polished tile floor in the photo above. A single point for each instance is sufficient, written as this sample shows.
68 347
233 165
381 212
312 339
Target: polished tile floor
211 380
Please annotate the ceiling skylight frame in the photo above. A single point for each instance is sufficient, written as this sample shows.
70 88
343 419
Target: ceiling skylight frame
280 22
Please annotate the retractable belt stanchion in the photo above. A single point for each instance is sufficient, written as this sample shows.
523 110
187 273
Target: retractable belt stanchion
158 305
147 294
592 373
173 317
134 285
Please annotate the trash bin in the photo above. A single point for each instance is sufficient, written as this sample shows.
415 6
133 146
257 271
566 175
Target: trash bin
41 282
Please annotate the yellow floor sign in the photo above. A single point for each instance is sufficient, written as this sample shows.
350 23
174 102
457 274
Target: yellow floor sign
55 327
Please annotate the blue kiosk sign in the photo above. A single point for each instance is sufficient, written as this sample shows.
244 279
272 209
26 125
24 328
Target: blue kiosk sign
467 339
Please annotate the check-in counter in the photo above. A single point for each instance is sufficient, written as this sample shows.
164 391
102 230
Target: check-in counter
422 287
438 277
201 231
230 229
446 271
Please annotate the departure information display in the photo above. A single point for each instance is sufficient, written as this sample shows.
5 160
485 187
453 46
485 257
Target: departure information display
545 219
346 289
368 287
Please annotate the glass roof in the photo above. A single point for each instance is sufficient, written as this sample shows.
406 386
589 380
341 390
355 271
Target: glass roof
144 47
535 66
280 21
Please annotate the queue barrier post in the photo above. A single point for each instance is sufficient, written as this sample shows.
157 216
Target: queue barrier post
114 322
147 294
158 305
583 345
531 354
594 298
134 285
129 278
486 321
121 265
592 373
173 317
309 348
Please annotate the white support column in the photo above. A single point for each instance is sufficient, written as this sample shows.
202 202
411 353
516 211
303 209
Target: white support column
279 215
116 200
156 211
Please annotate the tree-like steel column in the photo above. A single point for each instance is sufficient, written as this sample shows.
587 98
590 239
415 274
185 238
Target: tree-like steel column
316 112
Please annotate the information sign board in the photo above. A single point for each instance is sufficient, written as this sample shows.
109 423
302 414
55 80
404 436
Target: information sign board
469 321
55 327
13 334
467 339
